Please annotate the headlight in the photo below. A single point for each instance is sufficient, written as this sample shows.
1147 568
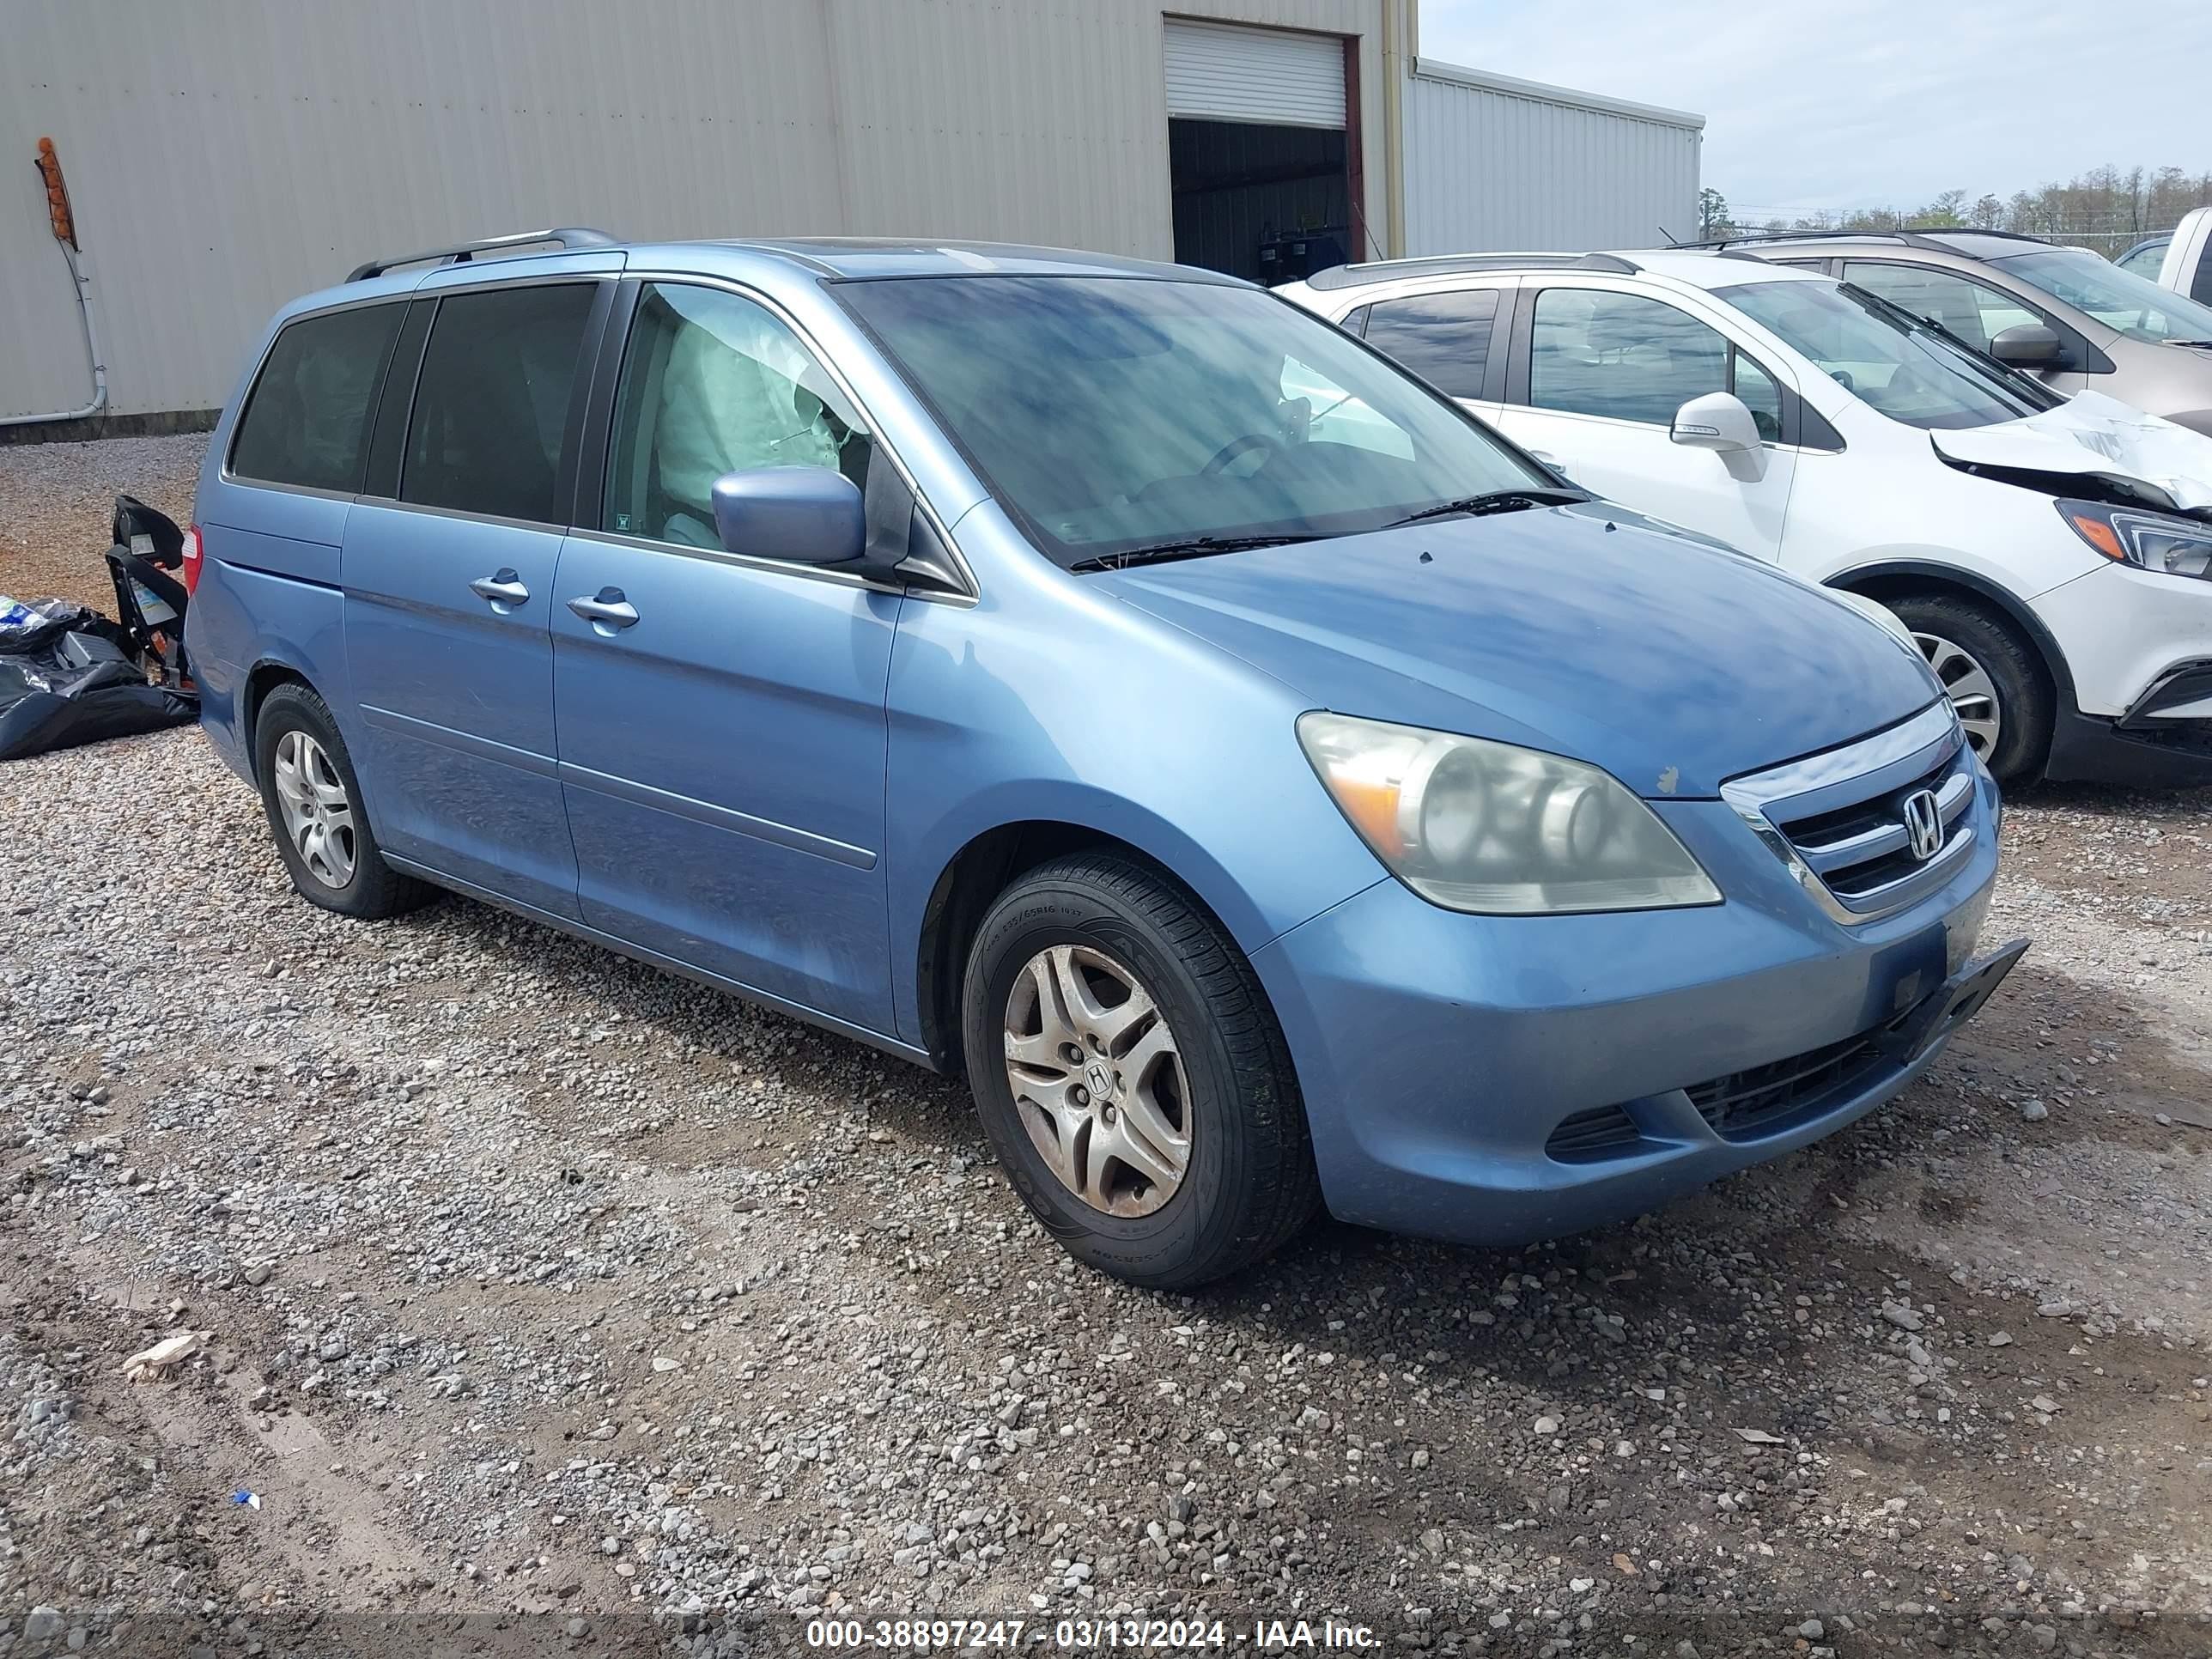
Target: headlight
1496 829
2172 547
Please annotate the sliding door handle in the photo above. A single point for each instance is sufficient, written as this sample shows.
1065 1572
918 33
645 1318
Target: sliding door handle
503 587
605 610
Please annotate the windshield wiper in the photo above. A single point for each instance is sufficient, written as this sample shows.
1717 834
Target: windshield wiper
1192 547
2200 344
1495 500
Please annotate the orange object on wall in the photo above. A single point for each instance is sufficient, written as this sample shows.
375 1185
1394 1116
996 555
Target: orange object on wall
57 205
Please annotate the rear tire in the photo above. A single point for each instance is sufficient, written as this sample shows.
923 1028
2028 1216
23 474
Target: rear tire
1993 676
315 811
1207 1166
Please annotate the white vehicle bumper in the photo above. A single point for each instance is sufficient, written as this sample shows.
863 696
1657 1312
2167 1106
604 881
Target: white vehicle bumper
2139 648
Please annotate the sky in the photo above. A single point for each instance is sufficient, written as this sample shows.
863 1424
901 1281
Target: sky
1872 103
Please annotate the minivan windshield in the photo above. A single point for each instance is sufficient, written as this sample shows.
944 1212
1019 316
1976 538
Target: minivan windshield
1886 358
1111 414
2119 298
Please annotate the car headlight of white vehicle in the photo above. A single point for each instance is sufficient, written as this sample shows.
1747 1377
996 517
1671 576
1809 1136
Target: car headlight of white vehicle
2151 541
1497 830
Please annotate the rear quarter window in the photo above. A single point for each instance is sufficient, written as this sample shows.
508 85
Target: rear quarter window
306 419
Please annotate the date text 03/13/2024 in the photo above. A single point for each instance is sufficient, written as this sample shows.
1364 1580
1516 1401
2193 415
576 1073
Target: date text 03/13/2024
953 1635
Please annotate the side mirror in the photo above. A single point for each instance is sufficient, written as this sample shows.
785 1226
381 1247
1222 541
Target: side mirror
2027 345
1720 422
800 515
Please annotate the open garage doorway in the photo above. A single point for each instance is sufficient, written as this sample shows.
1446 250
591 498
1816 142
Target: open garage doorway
1263 152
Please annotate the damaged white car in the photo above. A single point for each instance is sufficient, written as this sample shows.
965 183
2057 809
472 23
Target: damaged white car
2052 558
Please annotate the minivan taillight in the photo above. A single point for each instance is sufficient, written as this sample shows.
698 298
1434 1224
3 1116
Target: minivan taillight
192 560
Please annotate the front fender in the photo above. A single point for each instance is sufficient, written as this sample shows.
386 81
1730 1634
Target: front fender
1027 709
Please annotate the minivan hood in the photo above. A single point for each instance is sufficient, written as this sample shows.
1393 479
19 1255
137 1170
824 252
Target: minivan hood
1672 664
2092 435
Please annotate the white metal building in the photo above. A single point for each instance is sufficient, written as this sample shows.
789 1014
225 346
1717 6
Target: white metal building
223 156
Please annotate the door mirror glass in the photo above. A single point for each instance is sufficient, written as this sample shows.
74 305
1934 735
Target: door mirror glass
2027 345
1719 421
800 515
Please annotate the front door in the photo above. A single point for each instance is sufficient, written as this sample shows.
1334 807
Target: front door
1605 371
449 590
722 733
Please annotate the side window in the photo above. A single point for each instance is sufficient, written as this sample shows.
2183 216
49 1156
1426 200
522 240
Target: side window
1443 338
1760 393
1594 352
2146 260
713 383
492 402
306 419
1973 311
1356 324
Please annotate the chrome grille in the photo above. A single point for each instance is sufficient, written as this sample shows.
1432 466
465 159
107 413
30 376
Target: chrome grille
1842 822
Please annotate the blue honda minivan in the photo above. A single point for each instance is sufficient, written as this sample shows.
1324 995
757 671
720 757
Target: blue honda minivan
1268 787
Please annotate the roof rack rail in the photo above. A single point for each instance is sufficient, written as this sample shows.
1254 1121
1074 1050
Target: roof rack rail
568 236
1922 236
1385 270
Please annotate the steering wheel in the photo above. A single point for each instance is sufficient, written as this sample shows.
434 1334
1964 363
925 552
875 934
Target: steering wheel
1237 446
1842 377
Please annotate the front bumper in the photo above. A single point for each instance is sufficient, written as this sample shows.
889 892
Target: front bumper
2138 647
1439 1055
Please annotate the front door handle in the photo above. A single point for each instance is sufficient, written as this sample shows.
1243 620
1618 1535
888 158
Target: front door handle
607 610
503 587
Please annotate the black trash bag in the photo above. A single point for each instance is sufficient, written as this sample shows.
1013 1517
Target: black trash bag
67 677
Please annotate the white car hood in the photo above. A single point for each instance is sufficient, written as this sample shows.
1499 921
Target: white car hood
2093 434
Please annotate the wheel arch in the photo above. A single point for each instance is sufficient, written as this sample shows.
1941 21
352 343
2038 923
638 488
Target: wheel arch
264 677
964 890
1896 578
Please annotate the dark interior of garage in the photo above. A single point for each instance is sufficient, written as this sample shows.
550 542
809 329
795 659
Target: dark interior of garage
1268 203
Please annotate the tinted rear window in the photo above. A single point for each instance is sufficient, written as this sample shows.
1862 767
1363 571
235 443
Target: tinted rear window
306 419
492 403
1443 338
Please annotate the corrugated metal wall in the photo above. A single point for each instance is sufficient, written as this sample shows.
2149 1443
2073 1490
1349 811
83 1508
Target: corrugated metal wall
224 155
1494 163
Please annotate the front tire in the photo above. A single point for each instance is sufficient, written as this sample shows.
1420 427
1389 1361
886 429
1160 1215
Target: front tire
315 811
1130 1076
1992 677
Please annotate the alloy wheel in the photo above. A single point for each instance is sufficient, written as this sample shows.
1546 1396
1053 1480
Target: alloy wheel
1973 694
318 814
1097 1080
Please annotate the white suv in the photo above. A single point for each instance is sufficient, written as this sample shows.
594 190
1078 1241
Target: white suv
2052 557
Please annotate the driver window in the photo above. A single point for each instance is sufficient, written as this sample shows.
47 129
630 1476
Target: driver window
1760 395
712 382
1596 352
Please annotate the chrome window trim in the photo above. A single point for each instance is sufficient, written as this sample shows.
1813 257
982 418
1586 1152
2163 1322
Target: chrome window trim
1927 739
744 561
882 445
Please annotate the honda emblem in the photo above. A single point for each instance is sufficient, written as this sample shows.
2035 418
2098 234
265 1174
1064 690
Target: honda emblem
1923 825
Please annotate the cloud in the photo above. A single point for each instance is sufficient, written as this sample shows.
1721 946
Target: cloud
1852 103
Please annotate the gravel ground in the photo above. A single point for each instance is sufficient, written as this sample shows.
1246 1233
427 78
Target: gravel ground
554 1305
58 505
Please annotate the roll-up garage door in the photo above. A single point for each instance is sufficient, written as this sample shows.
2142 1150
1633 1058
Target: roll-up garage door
1220 72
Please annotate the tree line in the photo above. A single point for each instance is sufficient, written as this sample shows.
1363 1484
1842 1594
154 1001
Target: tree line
2106 208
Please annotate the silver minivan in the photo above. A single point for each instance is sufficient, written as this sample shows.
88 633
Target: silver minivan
2070 317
